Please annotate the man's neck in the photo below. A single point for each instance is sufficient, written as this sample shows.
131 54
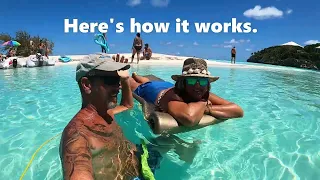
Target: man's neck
91 108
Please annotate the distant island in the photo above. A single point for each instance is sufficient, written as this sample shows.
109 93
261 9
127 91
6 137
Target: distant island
307 57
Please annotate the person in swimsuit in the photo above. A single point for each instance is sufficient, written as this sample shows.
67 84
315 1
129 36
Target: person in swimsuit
92 145
136 47
103 49
42 48
189 98
47 49
11 52
233 55
147 52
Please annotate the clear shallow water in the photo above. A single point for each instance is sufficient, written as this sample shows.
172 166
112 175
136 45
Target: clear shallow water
279 137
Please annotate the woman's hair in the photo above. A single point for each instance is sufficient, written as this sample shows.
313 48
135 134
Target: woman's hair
138 34
180 89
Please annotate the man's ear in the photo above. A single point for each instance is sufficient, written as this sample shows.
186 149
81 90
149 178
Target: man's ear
86 85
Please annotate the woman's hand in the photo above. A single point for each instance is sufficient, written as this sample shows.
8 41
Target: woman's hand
208 107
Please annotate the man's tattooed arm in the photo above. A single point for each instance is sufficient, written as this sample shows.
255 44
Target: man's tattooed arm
76 155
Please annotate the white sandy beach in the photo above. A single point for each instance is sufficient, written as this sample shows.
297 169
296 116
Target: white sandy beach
164 59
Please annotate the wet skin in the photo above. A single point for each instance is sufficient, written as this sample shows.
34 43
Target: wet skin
92 144
94 147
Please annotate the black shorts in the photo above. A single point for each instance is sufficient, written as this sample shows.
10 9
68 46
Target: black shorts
233 55
138 48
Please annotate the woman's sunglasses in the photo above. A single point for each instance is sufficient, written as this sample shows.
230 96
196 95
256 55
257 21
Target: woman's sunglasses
193 80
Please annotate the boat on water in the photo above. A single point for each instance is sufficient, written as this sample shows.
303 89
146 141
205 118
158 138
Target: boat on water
38 60
11 62
32 61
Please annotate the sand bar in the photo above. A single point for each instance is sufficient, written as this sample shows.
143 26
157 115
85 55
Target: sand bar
165 59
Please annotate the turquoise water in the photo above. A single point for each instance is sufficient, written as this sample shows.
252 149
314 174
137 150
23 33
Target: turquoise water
278 138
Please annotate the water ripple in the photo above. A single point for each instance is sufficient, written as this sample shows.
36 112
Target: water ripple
279 137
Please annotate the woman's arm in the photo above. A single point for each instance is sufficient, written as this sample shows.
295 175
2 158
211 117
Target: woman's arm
223 109
187 114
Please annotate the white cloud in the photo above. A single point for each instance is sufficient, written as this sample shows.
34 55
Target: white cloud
232 41
160 3
195 44
259 13
180 45
289 11
244 41
227 46
248 49
133 2
177 53
165 43
311 42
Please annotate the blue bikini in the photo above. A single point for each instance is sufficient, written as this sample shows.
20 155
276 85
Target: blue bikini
149 91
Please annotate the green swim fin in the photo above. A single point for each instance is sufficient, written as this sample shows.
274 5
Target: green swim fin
146 171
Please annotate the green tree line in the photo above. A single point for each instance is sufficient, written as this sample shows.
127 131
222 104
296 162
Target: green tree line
26 48
293 56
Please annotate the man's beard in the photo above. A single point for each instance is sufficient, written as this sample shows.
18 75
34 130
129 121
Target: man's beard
112 103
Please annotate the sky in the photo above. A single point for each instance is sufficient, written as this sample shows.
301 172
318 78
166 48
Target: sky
276 21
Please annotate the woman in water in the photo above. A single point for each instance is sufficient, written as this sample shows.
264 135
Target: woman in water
189 98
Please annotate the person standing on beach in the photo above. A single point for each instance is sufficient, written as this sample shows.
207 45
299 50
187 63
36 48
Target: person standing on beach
233 55
11 52
32 47
47 46
136 47
103 49
42 48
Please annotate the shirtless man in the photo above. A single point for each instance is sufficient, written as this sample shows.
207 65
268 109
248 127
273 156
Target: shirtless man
136 47
92 144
